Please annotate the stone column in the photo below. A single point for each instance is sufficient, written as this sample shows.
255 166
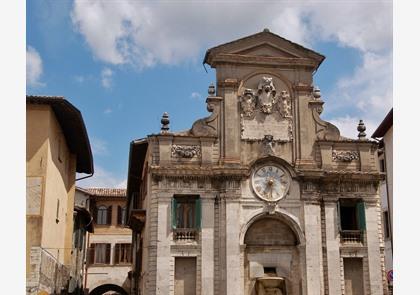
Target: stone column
314 272
333 248
207 245
234 285
373 248
163 270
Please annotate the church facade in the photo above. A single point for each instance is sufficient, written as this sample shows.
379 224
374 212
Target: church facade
262 196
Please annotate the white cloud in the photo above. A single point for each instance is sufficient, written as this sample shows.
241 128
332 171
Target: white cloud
102 178
143 33
146 33
368 91
107 111
196 95
79 78
106 77
33 67
348 126
99 147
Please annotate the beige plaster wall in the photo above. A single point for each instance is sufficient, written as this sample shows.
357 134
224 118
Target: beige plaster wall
44 136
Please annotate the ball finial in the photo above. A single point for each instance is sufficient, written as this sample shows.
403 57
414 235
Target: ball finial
165 123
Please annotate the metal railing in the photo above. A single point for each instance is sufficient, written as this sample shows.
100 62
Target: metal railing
351 236
185 234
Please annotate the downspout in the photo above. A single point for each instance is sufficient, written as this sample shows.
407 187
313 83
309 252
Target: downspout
84 177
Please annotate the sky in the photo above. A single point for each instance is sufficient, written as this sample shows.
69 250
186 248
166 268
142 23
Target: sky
123 63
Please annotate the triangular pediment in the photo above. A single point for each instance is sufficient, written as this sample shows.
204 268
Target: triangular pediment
266 49
266 45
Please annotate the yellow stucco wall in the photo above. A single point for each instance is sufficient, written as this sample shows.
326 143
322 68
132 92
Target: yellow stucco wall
48 158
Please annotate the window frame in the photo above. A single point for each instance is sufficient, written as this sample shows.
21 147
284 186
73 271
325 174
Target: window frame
106 248
119 250
101 215
193 200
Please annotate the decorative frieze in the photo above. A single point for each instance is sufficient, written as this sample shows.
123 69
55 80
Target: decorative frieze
345 156
186 151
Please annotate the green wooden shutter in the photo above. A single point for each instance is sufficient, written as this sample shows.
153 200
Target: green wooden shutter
360 207
198 213
174 204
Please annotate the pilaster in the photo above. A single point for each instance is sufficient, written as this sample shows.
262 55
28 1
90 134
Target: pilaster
163 256
373 247
314 272
333 248
234 285
207 246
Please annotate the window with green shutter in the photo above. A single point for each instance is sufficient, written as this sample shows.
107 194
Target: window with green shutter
186 212
361 219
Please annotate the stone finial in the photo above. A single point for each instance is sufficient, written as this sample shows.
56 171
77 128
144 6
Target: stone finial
361 128
266 30
317 93
212 90
165 123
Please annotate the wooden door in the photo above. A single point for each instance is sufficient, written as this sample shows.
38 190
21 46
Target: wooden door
185 275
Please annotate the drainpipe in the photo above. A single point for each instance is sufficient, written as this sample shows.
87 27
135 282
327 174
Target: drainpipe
90 175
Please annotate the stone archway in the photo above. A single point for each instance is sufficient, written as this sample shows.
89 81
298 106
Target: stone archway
272 257
102 289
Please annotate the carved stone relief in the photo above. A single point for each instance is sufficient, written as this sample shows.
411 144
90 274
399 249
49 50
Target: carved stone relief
345 156
186 151
263 112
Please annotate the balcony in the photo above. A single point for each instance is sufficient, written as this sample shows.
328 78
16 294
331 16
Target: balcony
351 237
185 234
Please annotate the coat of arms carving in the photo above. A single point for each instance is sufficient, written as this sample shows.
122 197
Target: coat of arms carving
264 111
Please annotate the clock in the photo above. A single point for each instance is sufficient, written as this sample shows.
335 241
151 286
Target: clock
270 182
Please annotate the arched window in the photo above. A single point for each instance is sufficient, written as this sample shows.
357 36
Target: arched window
102 215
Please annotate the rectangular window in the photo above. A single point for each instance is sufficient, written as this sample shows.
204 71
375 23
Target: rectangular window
352 221
121 215
122 254
100 253
386 224
103 215
186 217
382 165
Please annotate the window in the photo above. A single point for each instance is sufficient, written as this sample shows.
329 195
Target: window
186 212
386 224
352 221
122 254
121 215
186 217
100 253
103 215
382 165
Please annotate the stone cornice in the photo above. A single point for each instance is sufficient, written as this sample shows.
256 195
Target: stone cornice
227 58
194 172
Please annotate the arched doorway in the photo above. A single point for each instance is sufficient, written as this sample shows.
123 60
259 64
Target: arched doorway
272 257
102 289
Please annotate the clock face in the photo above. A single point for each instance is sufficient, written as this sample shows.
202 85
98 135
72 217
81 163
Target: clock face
270 182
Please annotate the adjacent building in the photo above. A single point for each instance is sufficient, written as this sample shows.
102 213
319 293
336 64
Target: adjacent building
57 146
262 196
384 133
109 256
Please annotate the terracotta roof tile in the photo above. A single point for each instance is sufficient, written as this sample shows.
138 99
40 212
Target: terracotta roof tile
107 192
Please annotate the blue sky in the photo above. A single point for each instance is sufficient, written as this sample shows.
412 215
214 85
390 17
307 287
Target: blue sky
123 63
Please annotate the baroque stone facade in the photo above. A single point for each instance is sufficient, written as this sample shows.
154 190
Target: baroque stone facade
260 197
